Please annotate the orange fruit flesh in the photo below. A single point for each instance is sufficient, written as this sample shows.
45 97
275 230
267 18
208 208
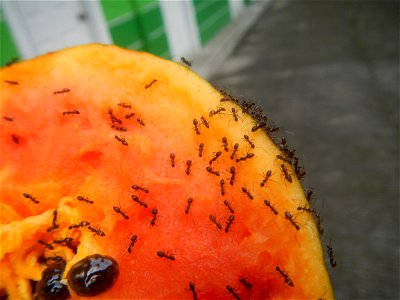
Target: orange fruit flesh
55 155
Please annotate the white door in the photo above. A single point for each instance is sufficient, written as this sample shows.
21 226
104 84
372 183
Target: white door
181 27
42 26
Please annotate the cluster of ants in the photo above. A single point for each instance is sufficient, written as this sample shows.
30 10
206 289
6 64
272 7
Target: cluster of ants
287 156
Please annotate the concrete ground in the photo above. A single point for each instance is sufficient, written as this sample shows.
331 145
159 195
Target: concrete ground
327 72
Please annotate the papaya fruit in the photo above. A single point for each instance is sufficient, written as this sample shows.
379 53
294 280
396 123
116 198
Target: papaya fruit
127 176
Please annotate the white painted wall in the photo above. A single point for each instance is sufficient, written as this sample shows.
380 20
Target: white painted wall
235 6
181 27
42 26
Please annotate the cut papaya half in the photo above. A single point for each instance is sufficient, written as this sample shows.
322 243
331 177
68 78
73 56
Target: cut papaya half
127 176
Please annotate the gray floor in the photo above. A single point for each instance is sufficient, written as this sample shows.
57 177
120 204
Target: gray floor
327 73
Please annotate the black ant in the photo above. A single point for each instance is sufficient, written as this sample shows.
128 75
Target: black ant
201 149
284 158
320 298
258 126
230 208
288 281
307 209
232 291
71 112
154 213
15 138
246 157
119 128
205 122
192 288
162 254
332 258
64 90
309 195
267 176
271 129
113 118
67 241
189 203
288 154
267 203
317 219
124 105
140 121
150 84
84 199
96 230
247 192
133 241
9 119
246 284
231 218
137 187
47 245
172 159
137 200
225 144
54 224
81 224
210 170
247 106
214 220
216 156
235 149
186 62
11 82
298 170
286 173
28 196
119 211
188 166
216 112
12 61
222 185
234 113
283 144
196 126
121 140
246 137
128 116
232 170
289 217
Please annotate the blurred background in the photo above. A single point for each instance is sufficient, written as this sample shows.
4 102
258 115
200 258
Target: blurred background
326 72
165 28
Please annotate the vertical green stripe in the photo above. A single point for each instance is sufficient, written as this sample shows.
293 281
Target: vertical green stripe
142 6
126 33
137 24
211 16
114 9
8 48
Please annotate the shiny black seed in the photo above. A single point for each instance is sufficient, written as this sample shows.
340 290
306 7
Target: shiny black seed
3 294
50 286
93 275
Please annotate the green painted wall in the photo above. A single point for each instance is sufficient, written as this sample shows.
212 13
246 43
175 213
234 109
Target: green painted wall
137 24
8 49
211 16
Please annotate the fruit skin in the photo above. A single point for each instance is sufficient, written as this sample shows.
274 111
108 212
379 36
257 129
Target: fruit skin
57 155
